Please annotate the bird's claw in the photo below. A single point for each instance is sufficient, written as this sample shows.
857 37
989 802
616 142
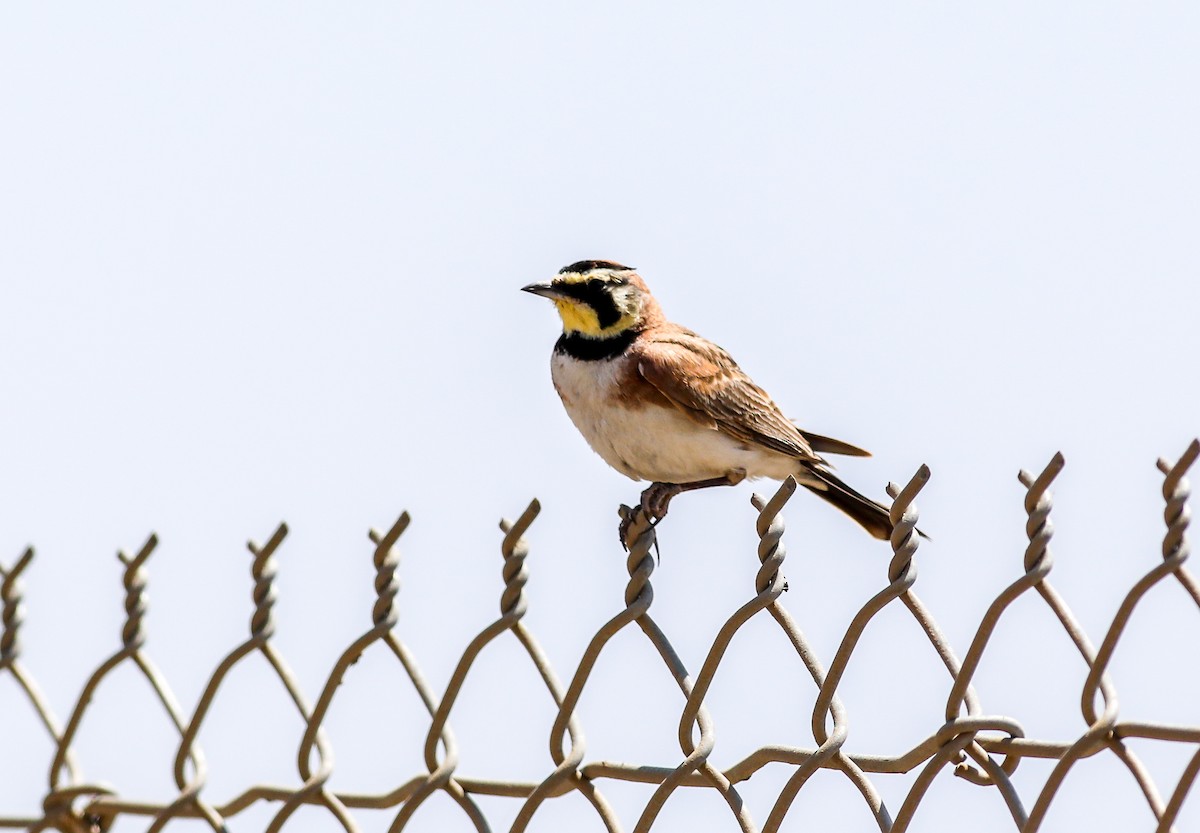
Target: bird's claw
628 516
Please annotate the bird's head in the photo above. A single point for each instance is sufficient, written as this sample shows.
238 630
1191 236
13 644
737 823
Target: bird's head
597 298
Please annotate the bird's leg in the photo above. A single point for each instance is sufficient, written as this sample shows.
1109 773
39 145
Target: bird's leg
657 497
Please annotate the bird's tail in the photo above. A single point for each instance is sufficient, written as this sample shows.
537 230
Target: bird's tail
870 515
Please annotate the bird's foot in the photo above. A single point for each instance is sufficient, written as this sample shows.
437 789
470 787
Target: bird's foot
657 498
653 505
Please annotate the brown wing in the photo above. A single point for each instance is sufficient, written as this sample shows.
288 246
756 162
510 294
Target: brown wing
701 379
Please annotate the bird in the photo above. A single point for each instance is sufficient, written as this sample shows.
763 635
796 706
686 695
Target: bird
660 403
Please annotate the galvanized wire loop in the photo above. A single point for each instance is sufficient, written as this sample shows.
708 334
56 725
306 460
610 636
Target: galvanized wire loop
66 810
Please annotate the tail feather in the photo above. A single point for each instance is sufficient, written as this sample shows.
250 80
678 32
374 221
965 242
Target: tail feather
829 445
869 514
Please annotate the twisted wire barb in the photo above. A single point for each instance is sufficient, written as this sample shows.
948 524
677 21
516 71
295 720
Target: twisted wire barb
1037 562
387 565
383 618
902 572
61 805
957 739
262 628
770 528
135 580
1102 732
264 570
513 604
769 585
12 614
515 549
901 575
638 596
1175 549
1177 514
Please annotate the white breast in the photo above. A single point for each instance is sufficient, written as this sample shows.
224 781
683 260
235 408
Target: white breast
651 442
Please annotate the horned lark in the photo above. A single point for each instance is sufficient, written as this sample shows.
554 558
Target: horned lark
660 403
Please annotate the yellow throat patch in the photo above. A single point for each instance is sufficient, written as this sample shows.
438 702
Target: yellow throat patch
579 318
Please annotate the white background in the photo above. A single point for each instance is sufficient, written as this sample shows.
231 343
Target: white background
261 261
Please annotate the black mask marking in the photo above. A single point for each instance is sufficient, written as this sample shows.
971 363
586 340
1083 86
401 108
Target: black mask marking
595 293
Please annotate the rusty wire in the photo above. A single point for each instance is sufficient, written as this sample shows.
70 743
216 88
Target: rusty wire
983 749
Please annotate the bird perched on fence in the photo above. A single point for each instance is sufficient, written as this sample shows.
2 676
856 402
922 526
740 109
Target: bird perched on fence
660 403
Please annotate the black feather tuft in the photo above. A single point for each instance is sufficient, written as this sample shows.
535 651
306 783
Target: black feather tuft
584 266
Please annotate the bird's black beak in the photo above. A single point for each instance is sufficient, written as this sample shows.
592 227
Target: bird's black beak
544 289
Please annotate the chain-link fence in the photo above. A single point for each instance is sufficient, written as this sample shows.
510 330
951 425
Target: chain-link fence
984 749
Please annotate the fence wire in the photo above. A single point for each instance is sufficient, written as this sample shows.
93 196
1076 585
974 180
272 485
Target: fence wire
984 749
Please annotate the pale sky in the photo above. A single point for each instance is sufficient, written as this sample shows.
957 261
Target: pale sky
261 261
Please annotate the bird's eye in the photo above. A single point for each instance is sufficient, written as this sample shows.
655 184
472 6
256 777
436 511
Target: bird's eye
595 284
